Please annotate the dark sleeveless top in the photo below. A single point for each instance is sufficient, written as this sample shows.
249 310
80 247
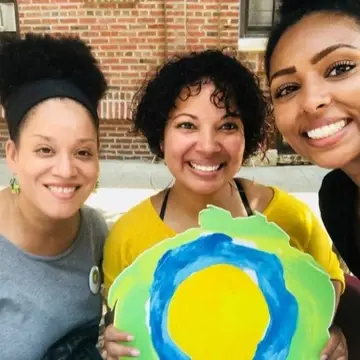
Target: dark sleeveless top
243 196
338 201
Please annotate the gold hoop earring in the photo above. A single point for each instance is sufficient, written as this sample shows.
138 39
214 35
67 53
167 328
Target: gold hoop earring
14 185
152 183
253 166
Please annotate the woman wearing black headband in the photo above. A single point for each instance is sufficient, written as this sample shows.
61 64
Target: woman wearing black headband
50 244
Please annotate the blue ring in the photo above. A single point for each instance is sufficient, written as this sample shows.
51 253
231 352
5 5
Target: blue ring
178 264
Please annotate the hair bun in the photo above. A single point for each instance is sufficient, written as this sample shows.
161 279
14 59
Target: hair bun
36 57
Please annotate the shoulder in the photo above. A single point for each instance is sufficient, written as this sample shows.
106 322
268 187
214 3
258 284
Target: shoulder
128 234
133 219
259 195
279 206
95 229
293 215
134 225
96 219
337 196
270 199
288 204
336 185
333 179
337 201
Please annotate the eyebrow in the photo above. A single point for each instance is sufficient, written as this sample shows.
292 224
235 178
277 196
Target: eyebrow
185 114
314 60
317 57
49 139
194 117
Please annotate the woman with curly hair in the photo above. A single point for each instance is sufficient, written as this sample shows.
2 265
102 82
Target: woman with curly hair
204 114
315 95
50 244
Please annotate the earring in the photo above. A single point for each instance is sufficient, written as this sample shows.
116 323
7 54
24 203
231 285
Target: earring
253 166
157 189
14 185
96 186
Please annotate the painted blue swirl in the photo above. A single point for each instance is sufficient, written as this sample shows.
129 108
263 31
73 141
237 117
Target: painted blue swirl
178 264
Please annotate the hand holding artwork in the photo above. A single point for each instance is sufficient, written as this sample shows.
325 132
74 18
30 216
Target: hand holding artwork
114 346
336 348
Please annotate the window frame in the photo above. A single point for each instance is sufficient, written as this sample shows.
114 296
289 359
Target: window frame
17 20
260 32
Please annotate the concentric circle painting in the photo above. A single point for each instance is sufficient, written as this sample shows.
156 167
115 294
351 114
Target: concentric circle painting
231 289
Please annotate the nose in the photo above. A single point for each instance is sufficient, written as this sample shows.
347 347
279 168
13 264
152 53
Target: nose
208 142
315 97
65 167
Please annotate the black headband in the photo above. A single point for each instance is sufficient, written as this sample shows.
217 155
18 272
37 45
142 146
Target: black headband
29 95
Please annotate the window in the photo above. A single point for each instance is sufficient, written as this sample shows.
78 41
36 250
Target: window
9 23
257 17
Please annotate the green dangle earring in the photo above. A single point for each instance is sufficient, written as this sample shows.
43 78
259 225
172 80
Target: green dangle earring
14 185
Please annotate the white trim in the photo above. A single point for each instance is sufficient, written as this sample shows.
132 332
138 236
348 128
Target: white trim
252 44
112 107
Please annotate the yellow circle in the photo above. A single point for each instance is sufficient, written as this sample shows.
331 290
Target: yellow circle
218 313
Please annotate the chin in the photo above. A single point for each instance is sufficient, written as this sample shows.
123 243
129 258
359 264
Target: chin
328 161
205 190
61 213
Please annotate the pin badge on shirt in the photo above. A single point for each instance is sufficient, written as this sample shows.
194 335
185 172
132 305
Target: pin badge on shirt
94 280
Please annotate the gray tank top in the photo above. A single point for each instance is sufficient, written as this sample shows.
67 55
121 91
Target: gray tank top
43 298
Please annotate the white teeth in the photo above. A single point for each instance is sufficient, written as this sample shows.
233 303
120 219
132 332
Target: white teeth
327 130
205 168
62 190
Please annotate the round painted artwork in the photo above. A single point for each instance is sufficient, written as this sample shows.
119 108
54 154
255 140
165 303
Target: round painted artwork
231 289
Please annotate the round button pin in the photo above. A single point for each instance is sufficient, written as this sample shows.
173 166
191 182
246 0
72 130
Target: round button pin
94 280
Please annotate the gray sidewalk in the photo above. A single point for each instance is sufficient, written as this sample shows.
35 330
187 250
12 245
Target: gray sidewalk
138 174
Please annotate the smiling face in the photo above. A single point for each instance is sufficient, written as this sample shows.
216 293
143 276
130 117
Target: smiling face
203 147
315 87
56 158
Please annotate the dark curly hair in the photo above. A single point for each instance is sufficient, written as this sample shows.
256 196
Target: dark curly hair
36 57
292 11
234 85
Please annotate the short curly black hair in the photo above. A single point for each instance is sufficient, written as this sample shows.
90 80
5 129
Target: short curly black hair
234 83
36 57
292 11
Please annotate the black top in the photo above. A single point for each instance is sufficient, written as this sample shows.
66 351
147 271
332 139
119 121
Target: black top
338 207
244 200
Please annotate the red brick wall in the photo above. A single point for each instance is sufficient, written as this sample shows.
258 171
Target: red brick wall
130 38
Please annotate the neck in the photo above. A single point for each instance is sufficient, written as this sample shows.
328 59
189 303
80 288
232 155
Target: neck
192 204
40 234
353 171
